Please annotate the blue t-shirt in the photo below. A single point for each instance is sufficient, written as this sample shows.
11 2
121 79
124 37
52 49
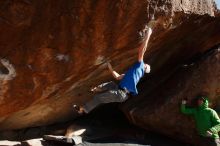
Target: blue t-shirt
132 77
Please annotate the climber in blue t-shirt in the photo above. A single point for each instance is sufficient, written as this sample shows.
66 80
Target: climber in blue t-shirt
110 91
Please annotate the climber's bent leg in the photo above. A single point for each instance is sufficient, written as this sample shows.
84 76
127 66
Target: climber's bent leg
105 86
106 97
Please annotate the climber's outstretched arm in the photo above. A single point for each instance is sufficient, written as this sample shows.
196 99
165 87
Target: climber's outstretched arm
116 75
143 47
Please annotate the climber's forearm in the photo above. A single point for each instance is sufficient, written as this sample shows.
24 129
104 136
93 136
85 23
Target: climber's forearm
143 47
116 75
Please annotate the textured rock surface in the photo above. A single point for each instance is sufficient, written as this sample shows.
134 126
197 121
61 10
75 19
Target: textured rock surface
9 143
99 128
163 114
57 49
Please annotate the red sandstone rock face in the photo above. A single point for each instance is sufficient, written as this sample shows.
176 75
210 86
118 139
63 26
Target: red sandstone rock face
57 48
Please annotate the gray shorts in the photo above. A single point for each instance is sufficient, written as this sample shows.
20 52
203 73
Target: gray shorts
110 92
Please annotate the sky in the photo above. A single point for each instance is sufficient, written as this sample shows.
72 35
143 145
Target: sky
218 3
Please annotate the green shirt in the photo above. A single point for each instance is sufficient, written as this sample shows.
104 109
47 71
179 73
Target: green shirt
205 118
